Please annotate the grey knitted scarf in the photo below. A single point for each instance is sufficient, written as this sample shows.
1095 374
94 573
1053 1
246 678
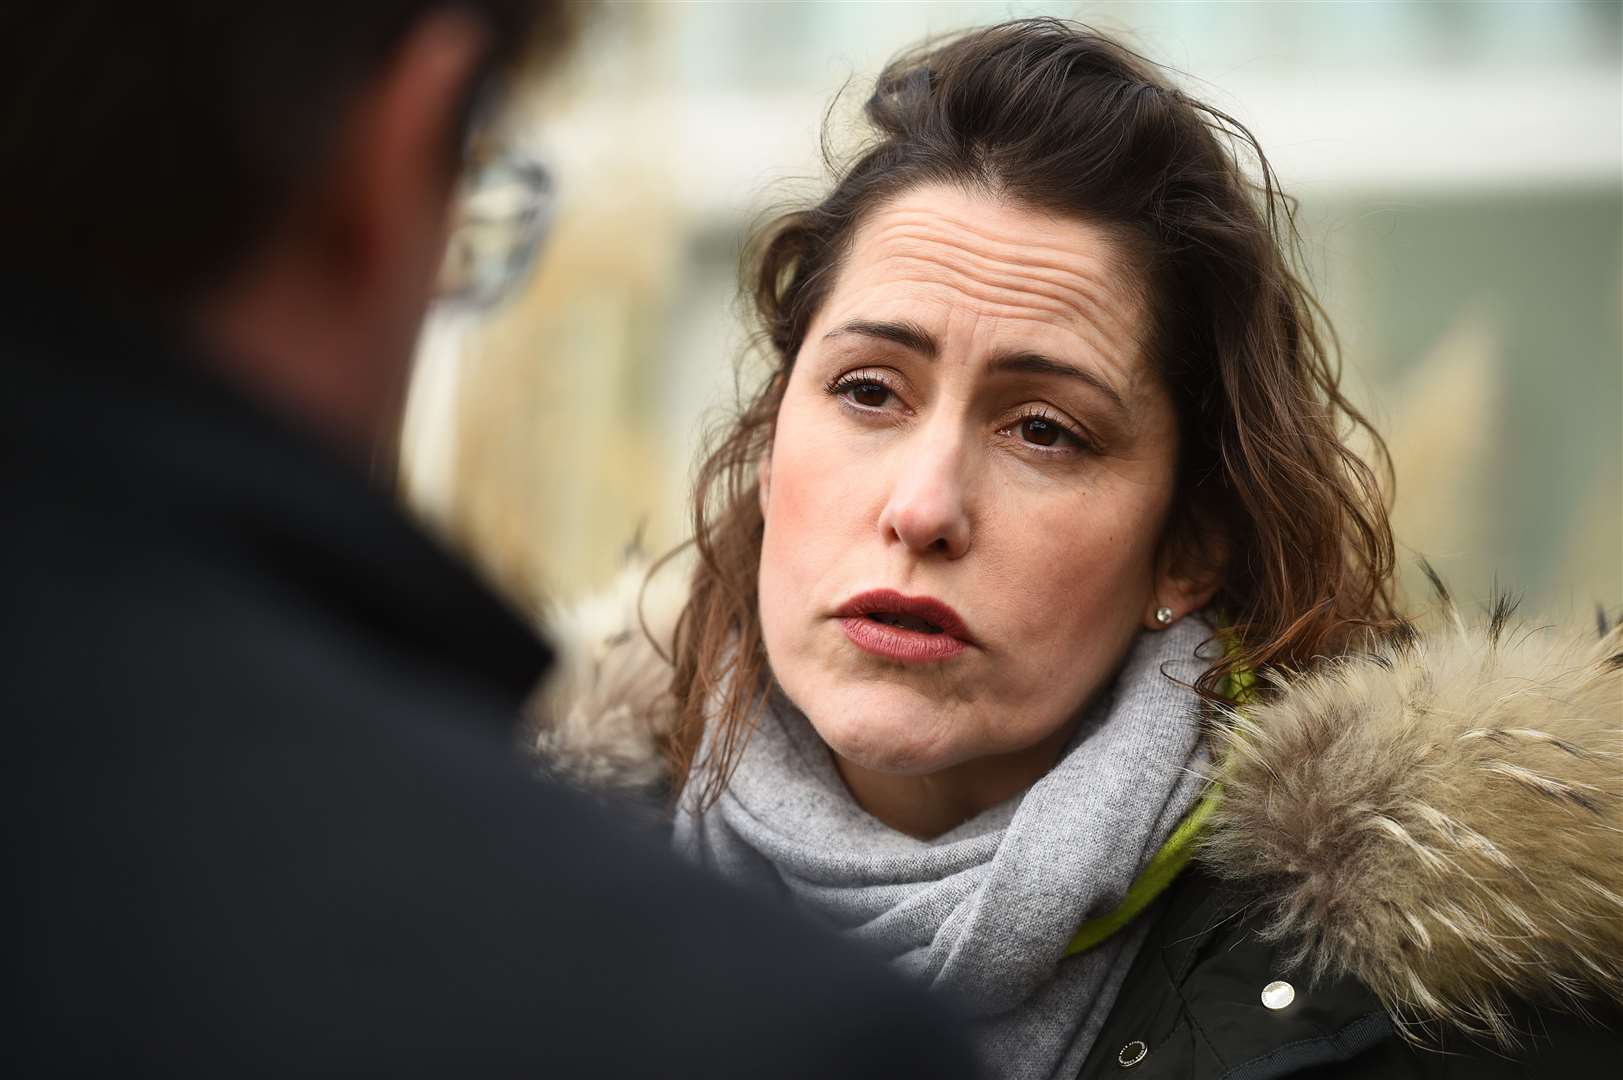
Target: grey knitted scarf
984 912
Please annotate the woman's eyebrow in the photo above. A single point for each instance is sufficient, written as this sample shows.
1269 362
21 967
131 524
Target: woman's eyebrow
1037 364
909 335
913 337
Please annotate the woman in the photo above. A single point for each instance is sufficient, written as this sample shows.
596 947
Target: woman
1051 459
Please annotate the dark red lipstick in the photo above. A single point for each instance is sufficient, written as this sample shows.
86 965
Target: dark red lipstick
910 629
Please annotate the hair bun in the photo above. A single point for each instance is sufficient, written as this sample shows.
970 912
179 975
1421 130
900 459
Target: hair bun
902 100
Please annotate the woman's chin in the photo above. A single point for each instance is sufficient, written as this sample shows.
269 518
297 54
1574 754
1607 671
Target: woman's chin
889 761
908 743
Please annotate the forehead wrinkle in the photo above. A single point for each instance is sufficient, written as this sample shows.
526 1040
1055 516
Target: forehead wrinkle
1014 296
1089 296
1017 265
1061 256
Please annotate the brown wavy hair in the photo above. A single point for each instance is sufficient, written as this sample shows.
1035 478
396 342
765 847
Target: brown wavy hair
1059 118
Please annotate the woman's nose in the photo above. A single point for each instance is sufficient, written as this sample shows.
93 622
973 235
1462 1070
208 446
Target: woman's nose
927 509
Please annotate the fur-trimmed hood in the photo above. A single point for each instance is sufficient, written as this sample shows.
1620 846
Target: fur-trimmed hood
1441 817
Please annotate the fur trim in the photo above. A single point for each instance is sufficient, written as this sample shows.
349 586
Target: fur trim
1441 818
604 717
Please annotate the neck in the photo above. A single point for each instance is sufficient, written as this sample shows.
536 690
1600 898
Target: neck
926 806
288 353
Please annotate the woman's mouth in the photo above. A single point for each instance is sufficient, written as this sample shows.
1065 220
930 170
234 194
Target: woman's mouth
906 622
903 628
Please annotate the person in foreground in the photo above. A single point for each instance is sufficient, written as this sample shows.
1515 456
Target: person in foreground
1041 564
267 813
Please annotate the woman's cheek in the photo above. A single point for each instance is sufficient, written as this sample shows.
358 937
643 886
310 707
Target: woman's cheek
814 478
802 489
1072 574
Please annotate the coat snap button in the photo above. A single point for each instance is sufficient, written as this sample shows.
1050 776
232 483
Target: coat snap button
1278 994
1132 1054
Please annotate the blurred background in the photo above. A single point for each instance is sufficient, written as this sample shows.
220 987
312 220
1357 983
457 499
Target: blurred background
1460 173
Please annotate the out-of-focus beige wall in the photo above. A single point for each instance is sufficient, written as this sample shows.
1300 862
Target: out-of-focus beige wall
1459 166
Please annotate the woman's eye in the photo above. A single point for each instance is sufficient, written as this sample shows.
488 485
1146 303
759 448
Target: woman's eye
870 395
1041 432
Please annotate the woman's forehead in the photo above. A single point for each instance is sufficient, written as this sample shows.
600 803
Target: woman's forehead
966 266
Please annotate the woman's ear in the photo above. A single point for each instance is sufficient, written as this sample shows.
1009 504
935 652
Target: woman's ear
1187 576
763 481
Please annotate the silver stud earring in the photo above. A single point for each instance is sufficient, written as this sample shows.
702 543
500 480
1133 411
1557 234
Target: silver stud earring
1163 615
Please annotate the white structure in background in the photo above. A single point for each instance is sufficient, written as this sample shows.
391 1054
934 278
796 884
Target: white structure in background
717 154
428 433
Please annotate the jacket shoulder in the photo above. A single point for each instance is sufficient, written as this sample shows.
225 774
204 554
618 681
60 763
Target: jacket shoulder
1210 996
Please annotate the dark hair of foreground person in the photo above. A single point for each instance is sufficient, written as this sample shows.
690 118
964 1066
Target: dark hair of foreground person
154 147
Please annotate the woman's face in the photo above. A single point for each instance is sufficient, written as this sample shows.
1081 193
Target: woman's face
971 425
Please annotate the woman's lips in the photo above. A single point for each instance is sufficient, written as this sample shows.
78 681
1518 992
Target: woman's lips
895 643
929 630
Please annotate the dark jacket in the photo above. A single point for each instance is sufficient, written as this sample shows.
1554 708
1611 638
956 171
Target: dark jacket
1426 835
266 816
1192 1008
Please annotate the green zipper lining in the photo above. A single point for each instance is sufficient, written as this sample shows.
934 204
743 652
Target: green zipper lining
1173 855
1153 881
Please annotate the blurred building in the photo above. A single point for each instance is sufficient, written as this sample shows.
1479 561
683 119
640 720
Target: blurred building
1460 172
